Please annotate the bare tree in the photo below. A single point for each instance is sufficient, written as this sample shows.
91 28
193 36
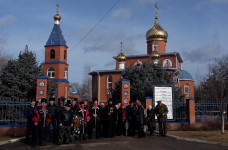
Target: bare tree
214 85
85 88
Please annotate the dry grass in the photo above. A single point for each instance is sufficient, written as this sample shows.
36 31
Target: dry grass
203 135
4 138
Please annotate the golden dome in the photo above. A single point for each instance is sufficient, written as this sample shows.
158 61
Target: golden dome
121 57
154 55
57 16
156 32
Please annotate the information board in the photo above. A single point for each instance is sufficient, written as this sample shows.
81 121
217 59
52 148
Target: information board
164 94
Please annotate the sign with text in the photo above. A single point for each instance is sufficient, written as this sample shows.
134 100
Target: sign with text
164 94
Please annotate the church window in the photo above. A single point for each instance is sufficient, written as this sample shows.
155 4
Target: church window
51 72
109 85
186 89
155 47
52 56
138 63
65 73
65 54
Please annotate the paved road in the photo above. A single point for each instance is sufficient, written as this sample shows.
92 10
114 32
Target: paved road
122 143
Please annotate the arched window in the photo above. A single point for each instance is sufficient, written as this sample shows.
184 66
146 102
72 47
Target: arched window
155 47
51 72
65 73
65 54
52 54
186 89
109 85
138 63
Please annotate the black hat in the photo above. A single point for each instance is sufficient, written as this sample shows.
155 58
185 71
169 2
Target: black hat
95 99
110 100
68 105
61 102
43 100
81 103
51 99
158 101
37 102
75 99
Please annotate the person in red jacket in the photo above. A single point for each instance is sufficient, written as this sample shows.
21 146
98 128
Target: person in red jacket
41 119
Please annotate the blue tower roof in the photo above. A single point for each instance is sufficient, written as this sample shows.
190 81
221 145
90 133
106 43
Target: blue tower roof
184 75
56 38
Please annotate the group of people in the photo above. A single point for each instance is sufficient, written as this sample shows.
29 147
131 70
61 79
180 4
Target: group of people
70 120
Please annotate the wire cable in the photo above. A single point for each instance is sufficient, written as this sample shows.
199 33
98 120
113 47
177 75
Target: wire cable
102 18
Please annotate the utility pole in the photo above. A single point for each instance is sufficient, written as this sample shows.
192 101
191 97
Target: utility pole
223 112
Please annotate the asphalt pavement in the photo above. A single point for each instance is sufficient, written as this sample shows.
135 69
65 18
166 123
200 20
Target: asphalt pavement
121 143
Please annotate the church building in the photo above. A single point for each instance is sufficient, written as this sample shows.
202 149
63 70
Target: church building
156 39
55 66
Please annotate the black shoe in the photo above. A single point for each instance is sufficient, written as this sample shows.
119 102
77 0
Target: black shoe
33 144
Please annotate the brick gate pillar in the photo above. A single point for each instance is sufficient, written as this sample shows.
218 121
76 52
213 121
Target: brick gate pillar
125 92
148 102
41 88
191 112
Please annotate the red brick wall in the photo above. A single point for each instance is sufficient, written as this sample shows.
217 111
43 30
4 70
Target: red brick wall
59 70
191 87
59 53
103 84
161 46
13 131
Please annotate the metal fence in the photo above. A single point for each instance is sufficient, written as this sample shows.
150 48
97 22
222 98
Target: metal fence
209 110
12 112
180 112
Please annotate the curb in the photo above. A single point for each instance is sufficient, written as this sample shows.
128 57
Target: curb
196 140
11 141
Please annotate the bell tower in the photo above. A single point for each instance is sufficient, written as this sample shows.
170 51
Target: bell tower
55 66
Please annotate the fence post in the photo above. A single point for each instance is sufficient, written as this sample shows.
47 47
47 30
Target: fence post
191 110
125 92
148 102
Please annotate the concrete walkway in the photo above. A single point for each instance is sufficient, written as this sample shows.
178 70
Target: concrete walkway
126 143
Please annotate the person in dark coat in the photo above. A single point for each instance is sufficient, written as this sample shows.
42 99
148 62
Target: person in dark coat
131 118
41 119
28 113
110 114
150 120
161 111
65 124
121 129
140 119
95 122
103 119
74 104
52 108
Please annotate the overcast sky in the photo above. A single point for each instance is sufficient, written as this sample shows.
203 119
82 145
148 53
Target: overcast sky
197 29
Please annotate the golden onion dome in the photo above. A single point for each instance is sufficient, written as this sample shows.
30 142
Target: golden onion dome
155 55
156 32
121 57
57 17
